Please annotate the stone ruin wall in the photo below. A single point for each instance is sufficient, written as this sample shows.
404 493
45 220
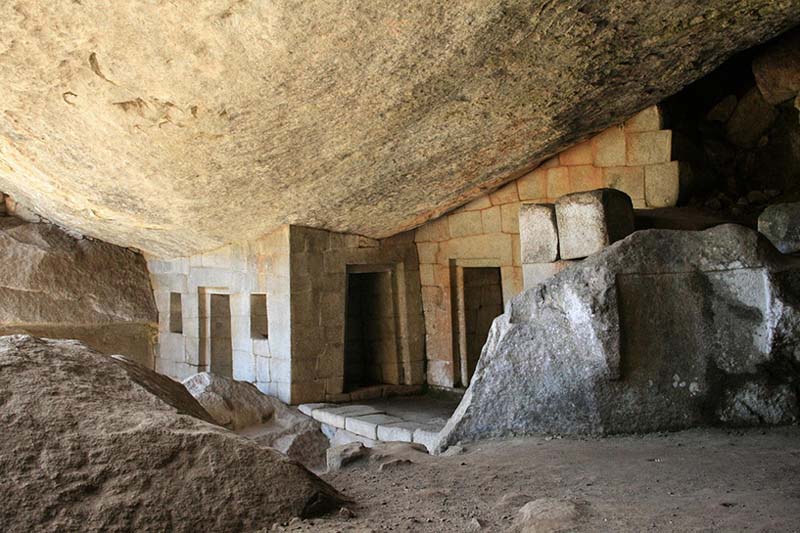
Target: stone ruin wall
634 157
303 274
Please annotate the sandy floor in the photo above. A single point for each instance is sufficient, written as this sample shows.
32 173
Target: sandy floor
700 480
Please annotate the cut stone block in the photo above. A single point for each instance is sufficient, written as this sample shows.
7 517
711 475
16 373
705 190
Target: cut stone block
662 184
336 416
367 426
397 432
590 221
557 182
308 408
629 180
465 223
609 148
645 120
580 154
533 186
538 233
428 437
649 147
535 273
780 224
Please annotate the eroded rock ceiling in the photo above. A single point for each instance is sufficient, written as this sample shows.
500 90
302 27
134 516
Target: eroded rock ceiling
176 127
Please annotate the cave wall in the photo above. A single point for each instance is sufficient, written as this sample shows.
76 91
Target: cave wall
57 285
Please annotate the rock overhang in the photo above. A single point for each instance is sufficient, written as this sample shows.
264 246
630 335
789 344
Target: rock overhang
179 128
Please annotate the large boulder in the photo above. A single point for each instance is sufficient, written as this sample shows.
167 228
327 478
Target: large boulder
93 443
780 223
663 330
777 68
54 285
240 406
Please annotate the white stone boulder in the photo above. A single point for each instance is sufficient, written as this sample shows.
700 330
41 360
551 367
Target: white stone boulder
589 221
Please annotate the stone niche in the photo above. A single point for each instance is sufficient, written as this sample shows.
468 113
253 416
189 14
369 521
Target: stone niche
57 285
275 312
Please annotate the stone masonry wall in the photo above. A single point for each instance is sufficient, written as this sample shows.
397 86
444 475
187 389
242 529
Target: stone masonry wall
240 270
320 262
634 157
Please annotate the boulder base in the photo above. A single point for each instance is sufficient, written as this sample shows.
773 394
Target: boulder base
240 406
91 443
663 330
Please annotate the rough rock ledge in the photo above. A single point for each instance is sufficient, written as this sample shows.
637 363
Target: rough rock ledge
96 443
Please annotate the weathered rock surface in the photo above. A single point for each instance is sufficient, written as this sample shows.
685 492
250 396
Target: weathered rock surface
662 330
54 285
777 69
780 223
91 443
546 515
240 406
177 127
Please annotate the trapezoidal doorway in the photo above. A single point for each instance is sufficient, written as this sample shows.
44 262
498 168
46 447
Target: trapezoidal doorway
481 301
370 351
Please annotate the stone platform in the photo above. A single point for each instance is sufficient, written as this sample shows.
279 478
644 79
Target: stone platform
416 419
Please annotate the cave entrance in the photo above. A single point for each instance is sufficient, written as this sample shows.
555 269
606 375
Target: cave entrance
370 352
479 295
216 344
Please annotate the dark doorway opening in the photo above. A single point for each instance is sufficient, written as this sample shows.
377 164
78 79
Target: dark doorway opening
370 352
220 335
483 302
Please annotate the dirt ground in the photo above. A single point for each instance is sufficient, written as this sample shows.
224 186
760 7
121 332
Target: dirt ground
699 480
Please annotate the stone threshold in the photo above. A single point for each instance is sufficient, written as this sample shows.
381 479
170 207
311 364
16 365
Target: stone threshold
369 425
375 392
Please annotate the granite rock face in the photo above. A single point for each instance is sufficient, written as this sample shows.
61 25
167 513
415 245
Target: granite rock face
662 330
177 127
240 406
777 69
780 223
92 443
54 285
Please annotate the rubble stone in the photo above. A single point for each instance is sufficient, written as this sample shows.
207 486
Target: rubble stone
780 223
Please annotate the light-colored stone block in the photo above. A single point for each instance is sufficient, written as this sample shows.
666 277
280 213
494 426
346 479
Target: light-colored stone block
308 408
433 231
505 194
533 186
427 251
538 233
609 148
367 426
557 182
509 215
649 119
589 221
629 180
337 416
580 154
428 437
662 184
397 432
427 274
491 220
649 147
465 223
585 178
482 202
535 273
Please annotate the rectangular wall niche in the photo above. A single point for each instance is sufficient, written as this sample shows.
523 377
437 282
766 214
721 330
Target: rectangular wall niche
216 342
175 313
370 353
259 323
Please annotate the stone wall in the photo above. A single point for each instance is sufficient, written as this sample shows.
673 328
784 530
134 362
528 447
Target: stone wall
634 157
321 261
239 271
